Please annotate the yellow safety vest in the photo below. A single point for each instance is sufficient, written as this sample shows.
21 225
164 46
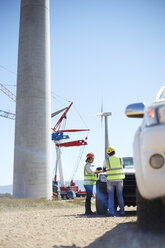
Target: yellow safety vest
89 179
114 170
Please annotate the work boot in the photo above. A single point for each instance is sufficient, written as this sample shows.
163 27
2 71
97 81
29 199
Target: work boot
110 214
89 213
88 210
122 214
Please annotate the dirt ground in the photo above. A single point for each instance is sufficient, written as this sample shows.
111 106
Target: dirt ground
69 227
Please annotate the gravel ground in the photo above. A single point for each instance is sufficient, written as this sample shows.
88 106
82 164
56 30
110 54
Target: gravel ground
69 227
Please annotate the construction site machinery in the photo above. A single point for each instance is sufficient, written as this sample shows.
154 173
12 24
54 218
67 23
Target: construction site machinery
59 188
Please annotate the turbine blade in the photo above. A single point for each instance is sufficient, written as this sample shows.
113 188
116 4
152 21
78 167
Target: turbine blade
102 105
99 114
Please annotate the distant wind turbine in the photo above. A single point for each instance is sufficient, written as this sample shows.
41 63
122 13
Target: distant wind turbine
105 116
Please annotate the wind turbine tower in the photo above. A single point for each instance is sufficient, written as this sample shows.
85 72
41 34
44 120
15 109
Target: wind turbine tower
32 151
104 115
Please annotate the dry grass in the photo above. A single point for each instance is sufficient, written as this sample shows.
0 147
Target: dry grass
7 204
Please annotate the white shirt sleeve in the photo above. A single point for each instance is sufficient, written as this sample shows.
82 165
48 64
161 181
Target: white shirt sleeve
105 164
90 168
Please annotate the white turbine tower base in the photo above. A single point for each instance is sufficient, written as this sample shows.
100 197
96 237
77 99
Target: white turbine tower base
32 151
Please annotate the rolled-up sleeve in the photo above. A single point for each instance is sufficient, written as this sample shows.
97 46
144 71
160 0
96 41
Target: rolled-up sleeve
90 169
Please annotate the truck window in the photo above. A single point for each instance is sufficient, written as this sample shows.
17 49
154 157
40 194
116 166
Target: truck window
128 162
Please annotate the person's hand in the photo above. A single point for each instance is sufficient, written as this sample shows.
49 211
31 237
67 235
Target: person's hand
97 172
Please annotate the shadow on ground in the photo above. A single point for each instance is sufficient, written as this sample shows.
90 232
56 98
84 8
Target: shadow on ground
127 214
126 235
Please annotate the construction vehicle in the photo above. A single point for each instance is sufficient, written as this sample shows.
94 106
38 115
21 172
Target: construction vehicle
59 187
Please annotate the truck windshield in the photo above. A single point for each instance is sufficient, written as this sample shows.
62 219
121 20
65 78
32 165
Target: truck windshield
162 94
128 162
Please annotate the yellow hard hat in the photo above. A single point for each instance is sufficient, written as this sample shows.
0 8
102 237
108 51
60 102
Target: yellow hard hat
110 149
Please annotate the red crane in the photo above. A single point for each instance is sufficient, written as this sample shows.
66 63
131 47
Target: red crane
58 136
70 143
7 92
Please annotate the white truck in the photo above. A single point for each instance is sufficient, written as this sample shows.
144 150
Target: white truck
149 161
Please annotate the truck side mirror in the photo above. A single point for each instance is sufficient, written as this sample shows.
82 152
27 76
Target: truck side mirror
135 110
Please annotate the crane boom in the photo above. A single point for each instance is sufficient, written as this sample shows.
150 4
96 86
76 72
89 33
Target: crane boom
72 143
61 118
72 130
7 92
7 115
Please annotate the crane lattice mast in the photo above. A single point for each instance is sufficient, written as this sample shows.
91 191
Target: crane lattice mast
7 115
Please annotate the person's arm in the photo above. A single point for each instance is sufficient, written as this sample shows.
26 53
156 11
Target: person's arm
89 170
98 171
104 165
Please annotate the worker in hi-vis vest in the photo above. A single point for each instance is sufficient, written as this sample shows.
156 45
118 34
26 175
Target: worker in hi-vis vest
115 175
90 179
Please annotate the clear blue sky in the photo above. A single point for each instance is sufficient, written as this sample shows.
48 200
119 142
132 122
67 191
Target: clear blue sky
99 48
